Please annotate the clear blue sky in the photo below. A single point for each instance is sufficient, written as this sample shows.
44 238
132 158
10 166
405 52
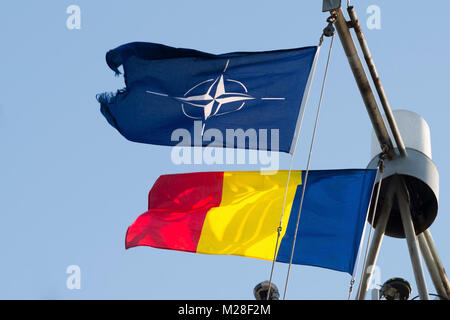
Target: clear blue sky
70 185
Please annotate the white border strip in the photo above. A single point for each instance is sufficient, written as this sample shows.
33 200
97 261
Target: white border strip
304 102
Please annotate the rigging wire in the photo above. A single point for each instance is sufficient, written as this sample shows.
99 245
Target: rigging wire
309 161
280 228
372 222
380 170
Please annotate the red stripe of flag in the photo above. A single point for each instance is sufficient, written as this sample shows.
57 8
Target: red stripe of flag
178 205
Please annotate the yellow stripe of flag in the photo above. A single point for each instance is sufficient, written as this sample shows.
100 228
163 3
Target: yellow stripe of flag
244 224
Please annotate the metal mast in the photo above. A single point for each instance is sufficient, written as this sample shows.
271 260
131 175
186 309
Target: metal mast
397 192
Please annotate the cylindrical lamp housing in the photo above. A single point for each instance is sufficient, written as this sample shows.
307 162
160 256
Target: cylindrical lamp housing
417 170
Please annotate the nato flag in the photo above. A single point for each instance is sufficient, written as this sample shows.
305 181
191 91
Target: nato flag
251 100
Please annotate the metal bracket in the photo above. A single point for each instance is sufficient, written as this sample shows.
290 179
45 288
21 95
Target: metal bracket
329 5
329 30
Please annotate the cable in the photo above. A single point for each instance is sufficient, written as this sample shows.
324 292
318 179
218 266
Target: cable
308 163
279 229
431 294
380 169
372 222
280 226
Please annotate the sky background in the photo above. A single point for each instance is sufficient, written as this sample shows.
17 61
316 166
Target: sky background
70 185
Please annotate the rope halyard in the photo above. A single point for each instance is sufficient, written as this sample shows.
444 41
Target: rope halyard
327 32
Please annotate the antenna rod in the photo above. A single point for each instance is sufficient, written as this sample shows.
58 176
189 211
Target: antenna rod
362 82
377 82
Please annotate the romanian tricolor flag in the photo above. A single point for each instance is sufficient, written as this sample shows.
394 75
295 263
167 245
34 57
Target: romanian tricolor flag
238 213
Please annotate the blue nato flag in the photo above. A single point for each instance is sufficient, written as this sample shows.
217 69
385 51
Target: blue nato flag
170 88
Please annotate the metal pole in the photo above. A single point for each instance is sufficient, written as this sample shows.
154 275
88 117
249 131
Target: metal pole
411 239
375 246
431 265
437 261
377 82
362 82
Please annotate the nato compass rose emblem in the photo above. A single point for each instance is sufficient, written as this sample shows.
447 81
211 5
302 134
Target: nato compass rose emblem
213 98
